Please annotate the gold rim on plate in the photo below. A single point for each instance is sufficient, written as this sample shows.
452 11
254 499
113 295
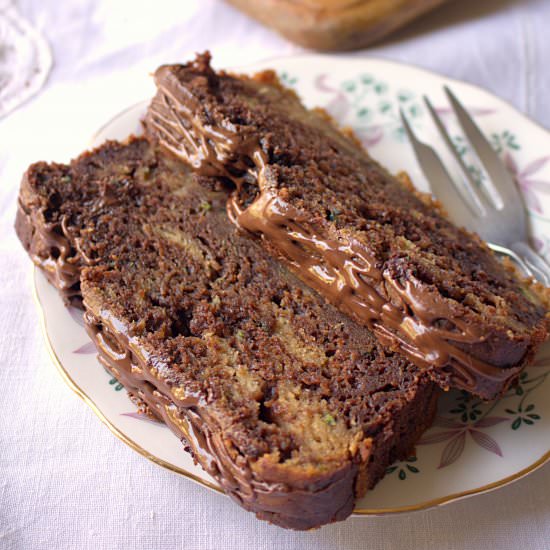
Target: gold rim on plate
176 469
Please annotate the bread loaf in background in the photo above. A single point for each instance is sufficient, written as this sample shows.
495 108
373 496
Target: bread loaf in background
335 24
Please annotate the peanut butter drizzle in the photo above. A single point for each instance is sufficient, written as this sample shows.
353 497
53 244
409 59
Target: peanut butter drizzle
403 316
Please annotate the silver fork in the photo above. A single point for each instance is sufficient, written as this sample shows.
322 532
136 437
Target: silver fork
495 209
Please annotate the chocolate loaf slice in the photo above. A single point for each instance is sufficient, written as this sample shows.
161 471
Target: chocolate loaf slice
350 230
293 407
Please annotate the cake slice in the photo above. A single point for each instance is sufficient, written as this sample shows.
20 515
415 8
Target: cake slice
350 230
295 409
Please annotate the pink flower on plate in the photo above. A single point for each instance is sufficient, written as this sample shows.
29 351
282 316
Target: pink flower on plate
370 135
77 315
531 187
338 106
85 349
456 434
141 416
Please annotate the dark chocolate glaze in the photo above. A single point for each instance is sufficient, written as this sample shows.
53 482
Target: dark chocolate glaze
406 316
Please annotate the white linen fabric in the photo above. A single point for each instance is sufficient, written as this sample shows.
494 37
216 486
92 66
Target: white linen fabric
65 481
25 59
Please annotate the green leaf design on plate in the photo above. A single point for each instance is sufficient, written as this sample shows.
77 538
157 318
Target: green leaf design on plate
404 467
349 86
523 416
375 106
116 384
468 409
504 140
404 95
287 79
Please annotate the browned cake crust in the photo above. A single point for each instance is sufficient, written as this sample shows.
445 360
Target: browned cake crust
349 229
335 24
292 407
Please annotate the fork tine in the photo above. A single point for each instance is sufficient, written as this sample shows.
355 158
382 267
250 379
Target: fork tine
507 190
470 187
441 183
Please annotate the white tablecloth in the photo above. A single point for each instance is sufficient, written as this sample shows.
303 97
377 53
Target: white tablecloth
65 480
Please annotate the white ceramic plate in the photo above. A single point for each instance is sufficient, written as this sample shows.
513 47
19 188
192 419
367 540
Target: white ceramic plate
472 447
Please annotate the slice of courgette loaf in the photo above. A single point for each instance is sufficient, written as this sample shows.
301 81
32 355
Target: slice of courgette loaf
295 409
349 229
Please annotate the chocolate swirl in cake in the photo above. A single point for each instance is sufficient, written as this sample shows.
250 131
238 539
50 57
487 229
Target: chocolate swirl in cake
221 126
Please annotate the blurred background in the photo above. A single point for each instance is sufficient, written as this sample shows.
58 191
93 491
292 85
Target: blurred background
88 59
499 44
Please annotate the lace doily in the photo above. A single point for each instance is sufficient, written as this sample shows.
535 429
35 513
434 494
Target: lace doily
25 59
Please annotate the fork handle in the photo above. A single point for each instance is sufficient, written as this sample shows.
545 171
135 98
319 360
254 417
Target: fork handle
535 262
